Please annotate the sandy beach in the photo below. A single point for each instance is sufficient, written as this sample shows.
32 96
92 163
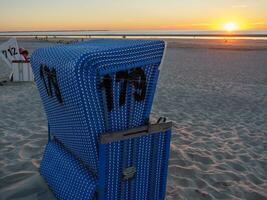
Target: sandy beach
215 92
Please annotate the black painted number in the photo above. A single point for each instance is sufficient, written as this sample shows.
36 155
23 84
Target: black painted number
135 77
107 85
122 77
4 52
12 52
49 78
139 82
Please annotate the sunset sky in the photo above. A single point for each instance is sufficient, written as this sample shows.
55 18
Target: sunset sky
30 15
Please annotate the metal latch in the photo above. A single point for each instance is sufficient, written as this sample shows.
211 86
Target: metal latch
135 132
128 173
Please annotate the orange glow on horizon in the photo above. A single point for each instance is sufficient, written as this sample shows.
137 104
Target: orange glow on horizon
219 25
132 15
145 25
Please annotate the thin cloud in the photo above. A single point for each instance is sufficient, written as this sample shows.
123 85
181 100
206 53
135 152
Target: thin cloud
201 24
195 24
258 23
240 6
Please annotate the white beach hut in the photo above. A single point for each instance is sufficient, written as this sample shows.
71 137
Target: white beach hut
21 68
21 71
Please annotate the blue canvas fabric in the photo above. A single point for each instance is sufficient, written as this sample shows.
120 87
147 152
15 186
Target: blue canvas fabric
65 175
149 155
104 86
79 121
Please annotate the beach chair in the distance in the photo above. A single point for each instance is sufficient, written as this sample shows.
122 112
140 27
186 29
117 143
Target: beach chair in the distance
98 96
17 59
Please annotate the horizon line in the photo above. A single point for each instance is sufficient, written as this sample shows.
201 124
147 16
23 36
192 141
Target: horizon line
228 35
106 30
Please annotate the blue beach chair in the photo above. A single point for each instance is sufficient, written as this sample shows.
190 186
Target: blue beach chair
98 96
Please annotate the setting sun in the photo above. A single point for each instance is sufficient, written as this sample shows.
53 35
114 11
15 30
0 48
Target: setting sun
230 26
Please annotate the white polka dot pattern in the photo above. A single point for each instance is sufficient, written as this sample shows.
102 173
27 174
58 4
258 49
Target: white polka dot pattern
78 122
65 175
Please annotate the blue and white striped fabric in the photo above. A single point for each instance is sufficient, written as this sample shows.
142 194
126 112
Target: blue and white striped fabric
87 108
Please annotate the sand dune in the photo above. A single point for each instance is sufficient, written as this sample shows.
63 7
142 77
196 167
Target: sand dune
217 100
